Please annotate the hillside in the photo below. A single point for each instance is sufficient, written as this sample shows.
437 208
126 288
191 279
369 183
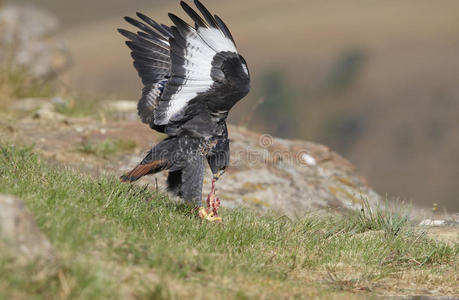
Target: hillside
299 221
375 80
117 241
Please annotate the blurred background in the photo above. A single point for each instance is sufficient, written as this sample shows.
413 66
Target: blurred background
377 81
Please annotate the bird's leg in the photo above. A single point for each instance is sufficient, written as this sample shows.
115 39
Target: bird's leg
213 203
211 196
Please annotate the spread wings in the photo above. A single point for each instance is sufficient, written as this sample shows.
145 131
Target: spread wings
186 69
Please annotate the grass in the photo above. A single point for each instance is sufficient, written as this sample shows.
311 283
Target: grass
16 83
106 148
118 241
78 105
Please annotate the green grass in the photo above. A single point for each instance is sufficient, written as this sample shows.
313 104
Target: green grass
18 83
79 105
106 148
118 241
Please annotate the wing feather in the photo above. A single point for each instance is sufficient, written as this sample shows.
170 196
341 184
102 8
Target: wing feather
192 52
224 29
163 29
198 21
182 64
207 15
144 50
148 30
151 53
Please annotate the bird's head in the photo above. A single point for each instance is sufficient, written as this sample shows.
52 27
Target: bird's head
219 173
219 158
218 165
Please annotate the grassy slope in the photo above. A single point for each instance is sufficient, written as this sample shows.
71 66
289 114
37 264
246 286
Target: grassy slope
117 241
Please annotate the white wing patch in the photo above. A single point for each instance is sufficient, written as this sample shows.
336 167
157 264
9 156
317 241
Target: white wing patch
215 39
246 70
201 47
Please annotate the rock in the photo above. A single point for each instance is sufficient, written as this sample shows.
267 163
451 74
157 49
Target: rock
291 176
121 105
28 104
26 40
43 108
20 236
47 112
122 109
265 172
430 222
440 222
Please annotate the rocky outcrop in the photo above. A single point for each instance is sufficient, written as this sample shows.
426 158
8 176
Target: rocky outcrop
27 42
265 172
20 236
291 176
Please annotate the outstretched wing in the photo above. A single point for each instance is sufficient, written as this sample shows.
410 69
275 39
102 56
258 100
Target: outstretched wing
206 70
151 53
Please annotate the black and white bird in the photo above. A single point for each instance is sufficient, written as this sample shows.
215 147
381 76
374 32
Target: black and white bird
192 76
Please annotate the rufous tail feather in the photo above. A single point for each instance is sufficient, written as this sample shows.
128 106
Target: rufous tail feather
144 169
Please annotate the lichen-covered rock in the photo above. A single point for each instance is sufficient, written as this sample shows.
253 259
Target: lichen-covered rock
28 104
291 176
27 42
20 236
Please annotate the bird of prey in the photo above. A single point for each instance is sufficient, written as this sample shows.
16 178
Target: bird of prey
192 77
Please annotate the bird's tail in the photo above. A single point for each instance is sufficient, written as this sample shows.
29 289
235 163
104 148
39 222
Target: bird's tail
157 159
183 157
143 169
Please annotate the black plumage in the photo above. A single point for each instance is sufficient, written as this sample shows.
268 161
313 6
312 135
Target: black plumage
192 77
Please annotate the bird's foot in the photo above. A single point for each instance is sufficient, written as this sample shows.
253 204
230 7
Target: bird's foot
207 215
213 204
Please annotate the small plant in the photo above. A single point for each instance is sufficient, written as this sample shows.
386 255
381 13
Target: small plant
386 219
76 106
17 83
107 147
